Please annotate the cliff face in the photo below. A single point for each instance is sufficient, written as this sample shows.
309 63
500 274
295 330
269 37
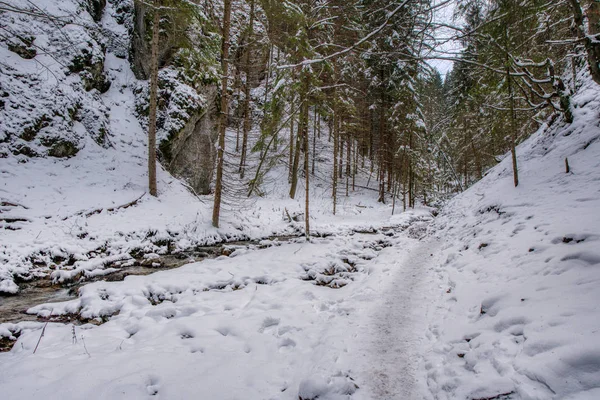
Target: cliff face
54 79
187 89
192 150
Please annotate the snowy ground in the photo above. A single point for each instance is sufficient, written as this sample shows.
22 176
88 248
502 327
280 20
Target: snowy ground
519 314
498 301
262 324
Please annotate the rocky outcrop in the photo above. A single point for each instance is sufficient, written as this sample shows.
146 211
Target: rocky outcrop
140 42
95 8
187 121
40 106
91 70
191 152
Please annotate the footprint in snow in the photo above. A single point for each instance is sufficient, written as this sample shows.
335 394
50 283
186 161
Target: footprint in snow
268 323
152 386
225 331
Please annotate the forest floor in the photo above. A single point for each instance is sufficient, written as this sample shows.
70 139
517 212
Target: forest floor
496 298
296 319
507 307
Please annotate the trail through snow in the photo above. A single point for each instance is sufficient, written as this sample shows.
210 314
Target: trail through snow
395 334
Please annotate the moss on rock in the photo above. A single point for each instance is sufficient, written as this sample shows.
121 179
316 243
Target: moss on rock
61 148
30 132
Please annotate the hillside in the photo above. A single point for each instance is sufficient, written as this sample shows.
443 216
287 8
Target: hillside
518 310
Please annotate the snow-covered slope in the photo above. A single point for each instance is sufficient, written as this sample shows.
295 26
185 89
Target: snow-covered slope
519 314
66 217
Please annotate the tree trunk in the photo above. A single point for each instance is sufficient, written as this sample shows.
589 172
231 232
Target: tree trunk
335 142
348 162
268 69
371 155
591 41
513 127
307 178
404 191
247 112
223 116
411 177
291 156
295 163
302 136
237 89
152 186
341 156
355 169
382 144
395 194
314 141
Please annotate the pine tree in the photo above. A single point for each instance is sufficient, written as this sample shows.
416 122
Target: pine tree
223 116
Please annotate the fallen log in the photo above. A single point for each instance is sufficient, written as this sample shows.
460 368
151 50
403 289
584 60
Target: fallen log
110 209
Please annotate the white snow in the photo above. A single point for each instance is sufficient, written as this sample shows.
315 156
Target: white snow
253 325
498 299
518 286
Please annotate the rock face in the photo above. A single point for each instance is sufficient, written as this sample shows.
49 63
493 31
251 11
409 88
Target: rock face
95 8
187 149
193 149
140 46
39 111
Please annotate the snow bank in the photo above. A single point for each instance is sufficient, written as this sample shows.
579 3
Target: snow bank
519 312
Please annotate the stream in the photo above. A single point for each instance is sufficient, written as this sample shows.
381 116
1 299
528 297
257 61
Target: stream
13 308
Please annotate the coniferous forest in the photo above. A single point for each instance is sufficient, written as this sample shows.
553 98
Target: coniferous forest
300 199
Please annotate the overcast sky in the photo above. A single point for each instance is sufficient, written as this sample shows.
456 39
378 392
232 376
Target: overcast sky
445 14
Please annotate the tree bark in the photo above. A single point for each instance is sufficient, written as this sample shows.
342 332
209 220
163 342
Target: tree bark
411 173
223 116
348 162
355 167
268 70
513 141
335 142
307 179
247 112
295 163
591 41
314 141
152 186
382 143
302 136
291 156
341 155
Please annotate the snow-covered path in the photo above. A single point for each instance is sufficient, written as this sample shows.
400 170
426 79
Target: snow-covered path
395 334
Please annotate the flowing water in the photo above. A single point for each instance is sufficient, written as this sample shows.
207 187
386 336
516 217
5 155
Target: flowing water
39 291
